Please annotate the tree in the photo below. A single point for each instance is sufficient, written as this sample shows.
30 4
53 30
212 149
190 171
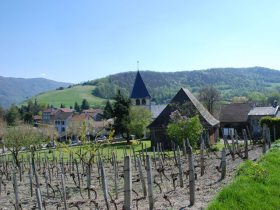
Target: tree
84 105
2 111
241 99
121 109
28 118
73 128
12 115
209 95
62 105
17 138
77 107
258 97
71 107
108 110
140 118
182 127
273 96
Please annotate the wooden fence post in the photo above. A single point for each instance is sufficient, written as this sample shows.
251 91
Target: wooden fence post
150 182
127 184
30 182
191 176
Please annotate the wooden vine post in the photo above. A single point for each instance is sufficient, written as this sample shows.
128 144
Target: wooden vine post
223 163
180 167
150 182
264 138
233 147
142 177
245 144
202 167
191 176
127 184
104 185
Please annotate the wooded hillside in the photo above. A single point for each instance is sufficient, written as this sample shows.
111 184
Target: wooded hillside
164 85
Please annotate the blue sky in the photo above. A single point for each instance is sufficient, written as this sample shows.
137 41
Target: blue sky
75 41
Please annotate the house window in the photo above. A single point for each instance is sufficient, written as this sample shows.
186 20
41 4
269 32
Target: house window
253 122
63 122
137 102
63 129
143 101
58 122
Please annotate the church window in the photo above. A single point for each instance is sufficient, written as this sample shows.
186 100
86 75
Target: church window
143 101
137 102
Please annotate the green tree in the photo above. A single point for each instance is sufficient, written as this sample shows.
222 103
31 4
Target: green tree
108 110
77 107
140 118
12 115
28 118
273 96
62 105
258 98
2 111
84 105
121 109
182 127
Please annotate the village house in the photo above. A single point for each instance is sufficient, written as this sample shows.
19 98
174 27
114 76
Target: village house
259 112
234 117
185 99
51 112
96 114
37 119
60 121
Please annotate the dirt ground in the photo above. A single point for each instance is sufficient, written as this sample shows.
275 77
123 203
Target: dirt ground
206 186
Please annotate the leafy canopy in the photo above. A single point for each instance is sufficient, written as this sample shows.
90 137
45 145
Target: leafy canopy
182 127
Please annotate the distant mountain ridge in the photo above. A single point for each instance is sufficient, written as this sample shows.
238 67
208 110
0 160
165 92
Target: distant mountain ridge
164 85
16 90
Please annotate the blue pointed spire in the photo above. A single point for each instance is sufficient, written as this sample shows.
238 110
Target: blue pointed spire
139 89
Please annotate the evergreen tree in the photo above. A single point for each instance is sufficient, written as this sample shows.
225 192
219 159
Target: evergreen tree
84 105
12 115
77 107
121 113
51 106
48 106
62 105
71 107
108 110
28 117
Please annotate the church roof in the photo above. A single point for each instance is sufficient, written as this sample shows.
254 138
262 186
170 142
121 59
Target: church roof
139 89
184 95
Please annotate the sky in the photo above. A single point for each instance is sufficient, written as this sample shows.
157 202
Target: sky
75 41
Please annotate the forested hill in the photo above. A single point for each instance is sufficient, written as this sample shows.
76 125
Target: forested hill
15 90
163 85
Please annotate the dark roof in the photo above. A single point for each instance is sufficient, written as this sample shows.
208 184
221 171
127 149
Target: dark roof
62 115
139 89
237 112
264 111
92 111
156 110
184 95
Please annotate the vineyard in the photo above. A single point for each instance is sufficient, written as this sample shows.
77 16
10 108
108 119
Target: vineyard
149 179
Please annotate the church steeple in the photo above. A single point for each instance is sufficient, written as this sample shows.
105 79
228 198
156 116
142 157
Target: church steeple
139 89
139 94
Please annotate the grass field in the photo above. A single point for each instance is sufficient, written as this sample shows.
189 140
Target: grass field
68 96
256 186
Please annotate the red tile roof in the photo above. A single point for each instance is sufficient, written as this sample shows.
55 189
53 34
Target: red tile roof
48 110
80 117
36 117
67 110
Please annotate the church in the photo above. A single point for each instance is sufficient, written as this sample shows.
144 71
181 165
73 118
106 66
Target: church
140 96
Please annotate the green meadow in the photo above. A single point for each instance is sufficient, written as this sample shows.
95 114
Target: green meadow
68 96
256 186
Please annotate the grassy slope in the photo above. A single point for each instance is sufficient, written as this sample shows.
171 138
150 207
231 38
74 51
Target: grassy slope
68 96
257 185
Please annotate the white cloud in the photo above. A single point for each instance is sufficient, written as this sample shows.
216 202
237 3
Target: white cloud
43 74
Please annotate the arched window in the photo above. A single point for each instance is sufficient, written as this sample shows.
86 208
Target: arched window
143 101
137 102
